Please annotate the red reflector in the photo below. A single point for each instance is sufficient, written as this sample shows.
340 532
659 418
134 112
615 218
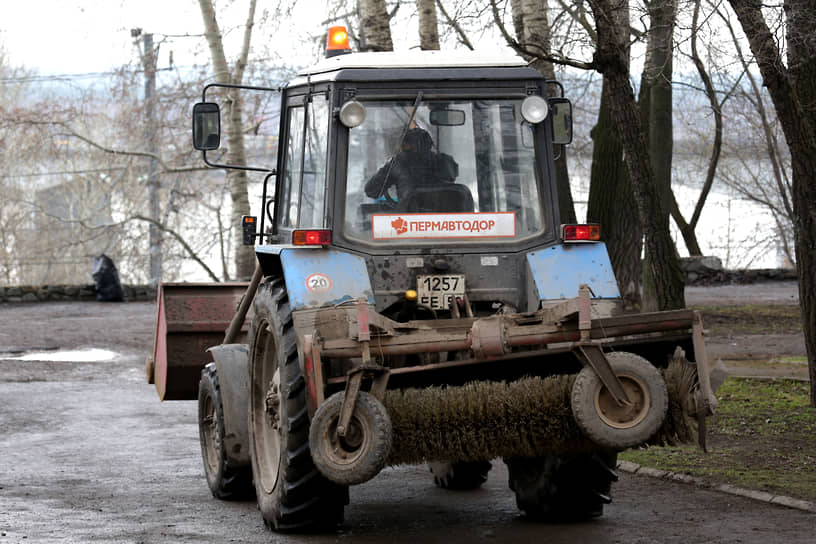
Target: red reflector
581 233
311 237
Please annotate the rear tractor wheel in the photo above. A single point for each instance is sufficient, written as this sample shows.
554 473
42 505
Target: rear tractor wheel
459 475
563 488
292 494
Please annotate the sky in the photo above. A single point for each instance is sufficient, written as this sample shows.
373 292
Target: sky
86 36
55 37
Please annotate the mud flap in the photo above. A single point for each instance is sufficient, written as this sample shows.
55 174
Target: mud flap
232 365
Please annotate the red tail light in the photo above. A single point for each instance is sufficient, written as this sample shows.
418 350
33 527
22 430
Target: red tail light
581 233
311 237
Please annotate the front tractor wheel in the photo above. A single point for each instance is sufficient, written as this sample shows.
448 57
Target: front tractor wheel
614 426
362 453
226 480
291 492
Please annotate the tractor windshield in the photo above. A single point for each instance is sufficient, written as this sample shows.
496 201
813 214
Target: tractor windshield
432 169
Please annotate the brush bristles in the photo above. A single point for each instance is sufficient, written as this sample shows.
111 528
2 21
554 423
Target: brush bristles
526 418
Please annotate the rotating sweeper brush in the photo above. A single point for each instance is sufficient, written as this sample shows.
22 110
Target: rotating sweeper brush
529 417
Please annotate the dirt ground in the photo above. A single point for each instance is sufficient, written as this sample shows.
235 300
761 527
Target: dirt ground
89 454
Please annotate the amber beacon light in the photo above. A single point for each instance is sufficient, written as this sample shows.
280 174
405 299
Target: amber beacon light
338 43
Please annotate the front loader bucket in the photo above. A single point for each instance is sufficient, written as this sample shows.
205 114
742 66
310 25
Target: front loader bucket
191 318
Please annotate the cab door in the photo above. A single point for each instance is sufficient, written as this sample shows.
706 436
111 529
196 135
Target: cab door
301 195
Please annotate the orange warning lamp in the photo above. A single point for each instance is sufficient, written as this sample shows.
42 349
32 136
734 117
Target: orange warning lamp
338 43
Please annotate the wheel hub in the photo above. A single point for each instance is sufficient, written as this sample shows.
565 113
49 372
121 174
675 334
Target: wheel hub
272 403
624 416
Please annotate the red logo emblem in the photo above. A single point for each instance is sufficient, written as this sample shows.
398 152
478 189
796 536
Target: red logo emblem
400 225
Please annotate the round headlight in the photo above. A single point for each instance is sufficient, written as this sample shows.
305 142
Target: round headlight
352 114
534 109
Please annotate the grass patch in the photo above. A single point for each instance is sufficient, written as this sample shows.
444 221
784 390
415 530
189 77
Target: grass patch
763 437
729 320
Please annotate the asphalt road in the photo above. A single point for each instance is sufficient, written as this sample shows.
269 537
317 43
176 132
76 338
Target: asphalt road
89 454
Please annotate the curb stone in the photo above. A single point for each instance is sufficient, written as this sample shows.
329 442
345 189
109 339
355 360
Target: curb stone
781 500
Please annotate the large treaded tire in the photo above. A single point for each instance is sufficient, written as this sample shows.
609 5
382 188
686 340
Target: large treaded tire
226 482
292 494
620 427
563 488
459 475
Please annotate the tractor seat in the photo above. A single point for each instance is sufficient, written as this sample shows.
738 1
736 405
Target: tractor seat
450 197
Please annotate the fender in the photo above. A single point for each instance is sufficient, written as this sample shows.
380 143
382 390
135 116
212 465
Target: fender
317 278
232 366
557 271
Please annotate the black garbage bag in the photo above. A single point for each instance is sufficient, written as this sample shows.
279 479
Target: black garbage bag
106 280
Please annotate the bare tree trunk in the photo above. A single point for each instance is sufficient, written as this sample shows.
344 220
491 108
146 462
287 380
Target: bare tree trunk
610 192
374 26
793 91
611 59
657 77
236 154
533 31
428 26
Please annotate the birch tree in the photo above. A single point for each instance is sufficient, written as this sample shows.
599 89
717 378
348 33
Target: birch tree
236 153
533 42
428 25
375 29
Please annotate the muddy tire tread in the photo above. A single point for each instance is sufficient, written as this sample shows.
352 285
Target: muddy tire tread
228 482
563 488
302 499
460 475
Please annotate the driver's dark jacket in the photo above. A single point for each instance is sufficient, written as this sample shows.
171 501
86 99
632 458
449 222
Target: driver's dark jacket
410 169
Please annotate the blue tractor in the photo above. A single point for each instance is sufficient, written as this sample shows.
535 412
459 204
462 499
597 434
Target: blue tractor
417 300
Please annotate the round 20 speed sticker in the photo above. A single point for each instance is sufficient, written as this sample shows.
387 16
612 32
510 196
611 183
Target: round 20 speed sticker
318 283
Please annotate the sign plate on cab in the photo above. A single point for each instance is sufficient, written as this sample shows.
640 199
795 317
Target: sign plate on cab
435 291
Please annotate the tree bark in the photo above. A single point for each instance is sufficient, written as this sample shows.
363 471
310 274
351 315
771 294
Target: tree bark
374 26
610 192
656 81
428 25
236 154
793 91
611 59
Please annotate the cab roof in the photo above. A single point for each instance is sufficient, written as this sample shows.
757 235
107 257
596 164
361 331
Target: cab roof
397 65
415 59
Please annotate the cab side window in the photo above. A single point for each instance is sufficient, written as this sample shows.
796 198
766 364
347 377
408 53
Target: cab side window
293 169
313 187
303 187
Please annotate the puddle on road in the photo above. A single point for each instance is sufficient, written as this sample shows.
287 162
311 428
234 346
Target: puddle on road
92 355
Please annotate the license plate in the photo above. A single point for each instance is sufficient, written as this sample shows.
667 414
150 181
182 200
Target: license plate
436 291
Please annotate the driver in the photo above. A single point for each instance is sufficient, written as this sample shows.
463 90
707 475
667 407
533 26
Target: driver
416 165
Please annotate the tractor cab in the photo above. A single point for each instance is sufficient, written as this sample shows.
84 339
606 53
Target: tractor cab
434 167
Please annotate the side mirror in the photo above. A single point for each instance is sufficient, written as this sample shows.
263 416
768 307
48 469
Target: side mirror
561 109
206 126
